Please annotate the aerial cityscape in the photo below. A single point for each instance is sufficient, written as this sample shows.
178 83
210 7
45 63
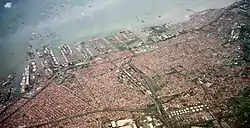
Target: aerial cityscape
165 76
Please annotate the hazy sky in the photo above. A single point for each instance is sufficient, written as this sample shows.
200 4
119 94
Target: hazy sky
67 21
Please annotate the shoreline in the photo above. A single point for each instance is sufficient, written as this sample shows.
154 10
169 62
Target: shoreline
22 40
200 59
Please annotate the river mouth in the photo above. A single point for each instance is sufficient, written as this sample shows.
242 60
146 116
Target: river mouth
70 21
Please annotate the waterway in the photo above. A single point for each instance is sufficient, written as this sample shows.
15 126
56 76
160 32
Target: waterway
53 22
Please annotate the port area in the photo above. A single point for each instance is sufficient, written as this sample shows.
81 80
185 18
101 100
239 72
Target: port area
178 76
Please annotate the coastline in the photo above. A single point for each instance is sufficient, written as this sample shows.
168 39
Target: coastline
200 64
